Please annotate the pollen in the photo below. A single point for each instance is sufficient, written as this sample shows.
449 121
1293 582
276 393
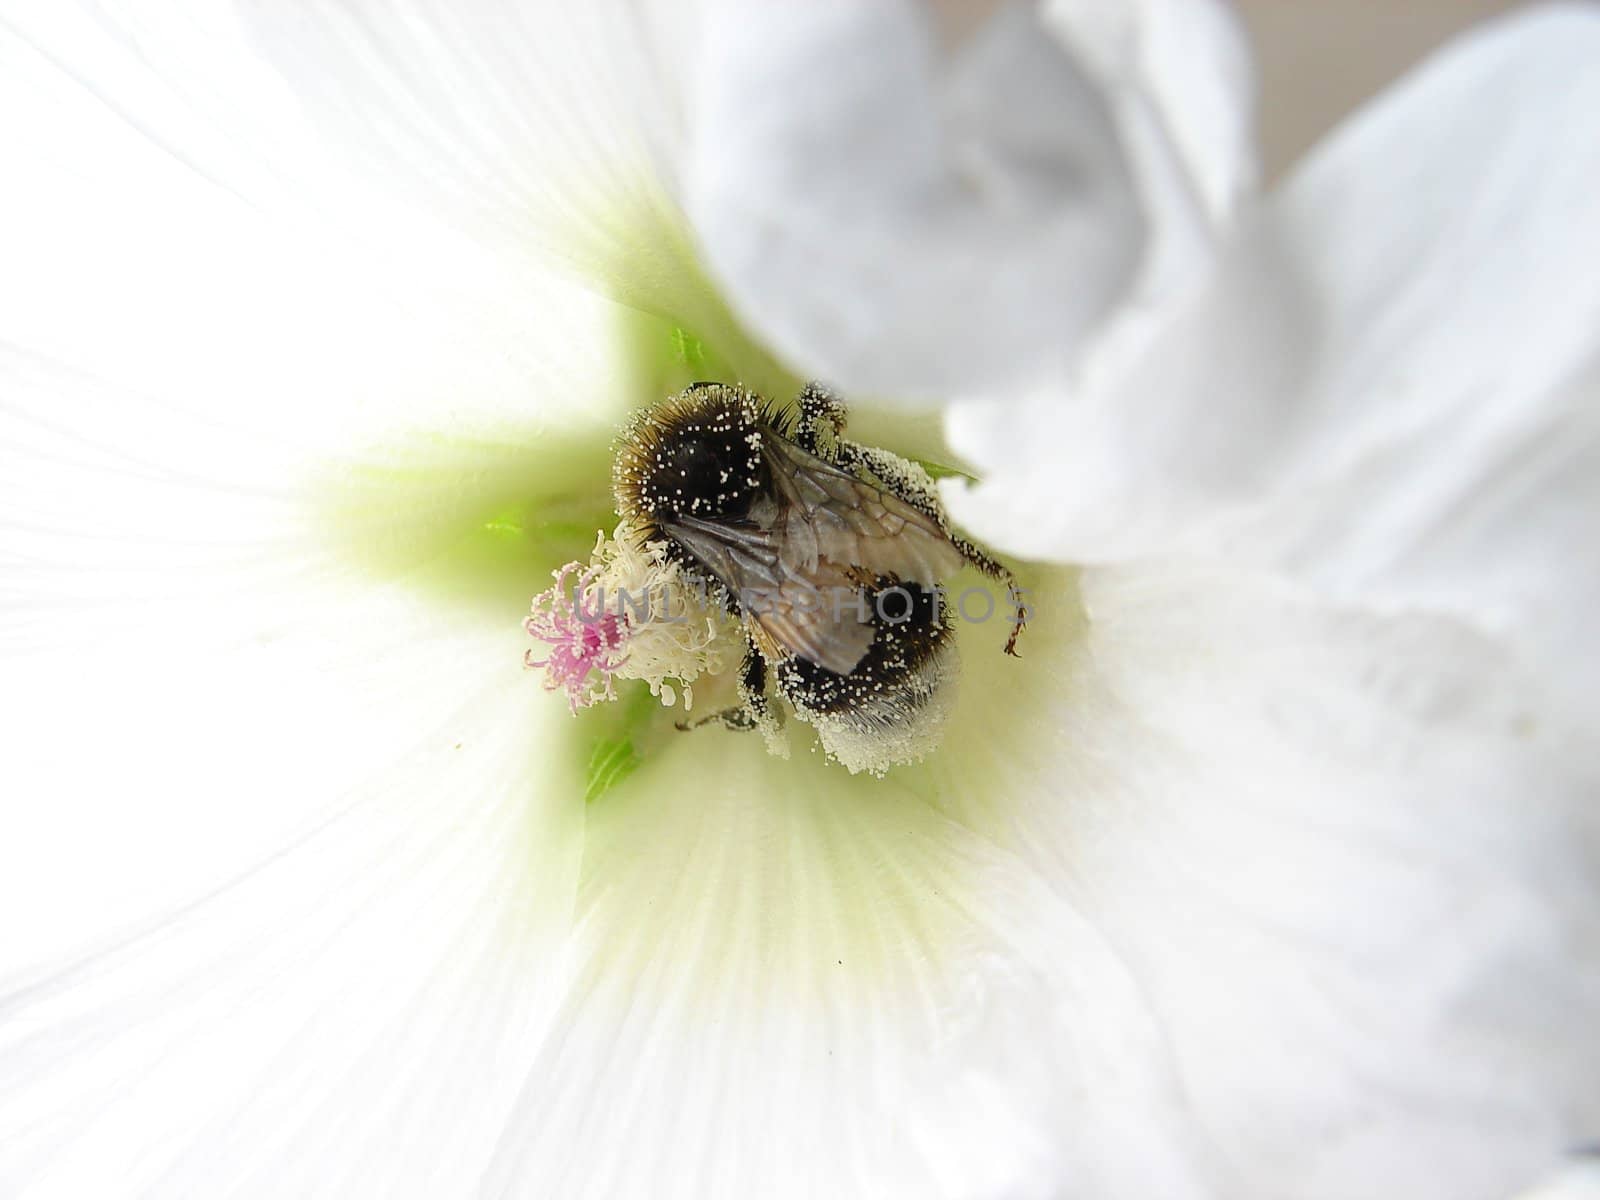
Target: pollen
586 647
629 613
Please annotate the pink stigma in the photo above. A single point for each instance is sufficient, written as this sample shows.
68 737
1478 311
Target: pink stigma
581 644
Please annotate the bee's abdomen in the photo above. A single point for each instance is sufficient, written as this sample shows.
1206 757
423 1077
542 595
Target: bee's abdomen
891 708
909 629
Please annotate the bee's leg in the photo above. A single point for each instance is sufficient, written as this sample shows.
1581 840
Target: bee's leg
897 475
995 569
739 718
821 423
753 691
917 490
754 710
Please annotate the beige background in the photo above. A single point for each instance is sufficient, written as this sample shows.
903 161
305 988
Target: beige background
1318 59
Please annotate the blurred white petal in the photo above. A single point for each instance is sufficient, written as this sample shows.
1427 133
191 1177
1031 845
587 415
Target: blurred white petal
337 1020
1392 391
898 222
538 138
913 220
536 129
150 242
1357 881
1578 1181
246 457
265 770
1188 60
1181 85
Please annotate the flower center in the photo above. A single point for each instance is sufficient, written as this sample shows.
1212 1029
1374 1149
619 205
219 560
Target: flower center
820 564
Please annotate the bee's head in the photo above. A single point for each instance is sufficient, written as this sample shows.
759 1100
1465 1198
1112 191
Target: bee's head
697 455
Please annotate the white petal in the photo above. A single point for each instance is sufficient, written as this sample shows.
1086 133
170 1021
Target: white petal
1221 893
244 453
1157 439
920 225
492 138
1189 59
1391 390
1353 863
243 449
549 134
792 981
1179 78
210 638
899 223
1578 1181
1459 407
223 637
338 1019
272 764
253 273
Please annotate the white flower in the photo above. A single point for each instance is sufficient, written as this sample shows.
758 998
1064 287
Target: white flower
1269 872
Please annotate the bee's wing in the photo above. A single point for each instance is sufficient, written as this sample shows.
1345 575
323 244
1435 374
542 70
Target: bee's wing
819 616
799 581
829 513
742 557
809 613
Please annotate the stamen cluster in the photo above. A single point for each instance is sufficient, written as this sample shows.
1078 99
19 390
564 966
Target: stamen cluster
629 614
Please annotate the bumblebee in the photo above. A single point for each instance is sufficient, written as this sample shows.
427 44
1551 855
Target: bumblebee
830 553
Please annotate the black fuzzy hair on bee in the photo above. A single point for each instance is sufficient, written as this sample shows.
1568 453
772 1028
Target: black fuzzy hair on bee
699 454
884 686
